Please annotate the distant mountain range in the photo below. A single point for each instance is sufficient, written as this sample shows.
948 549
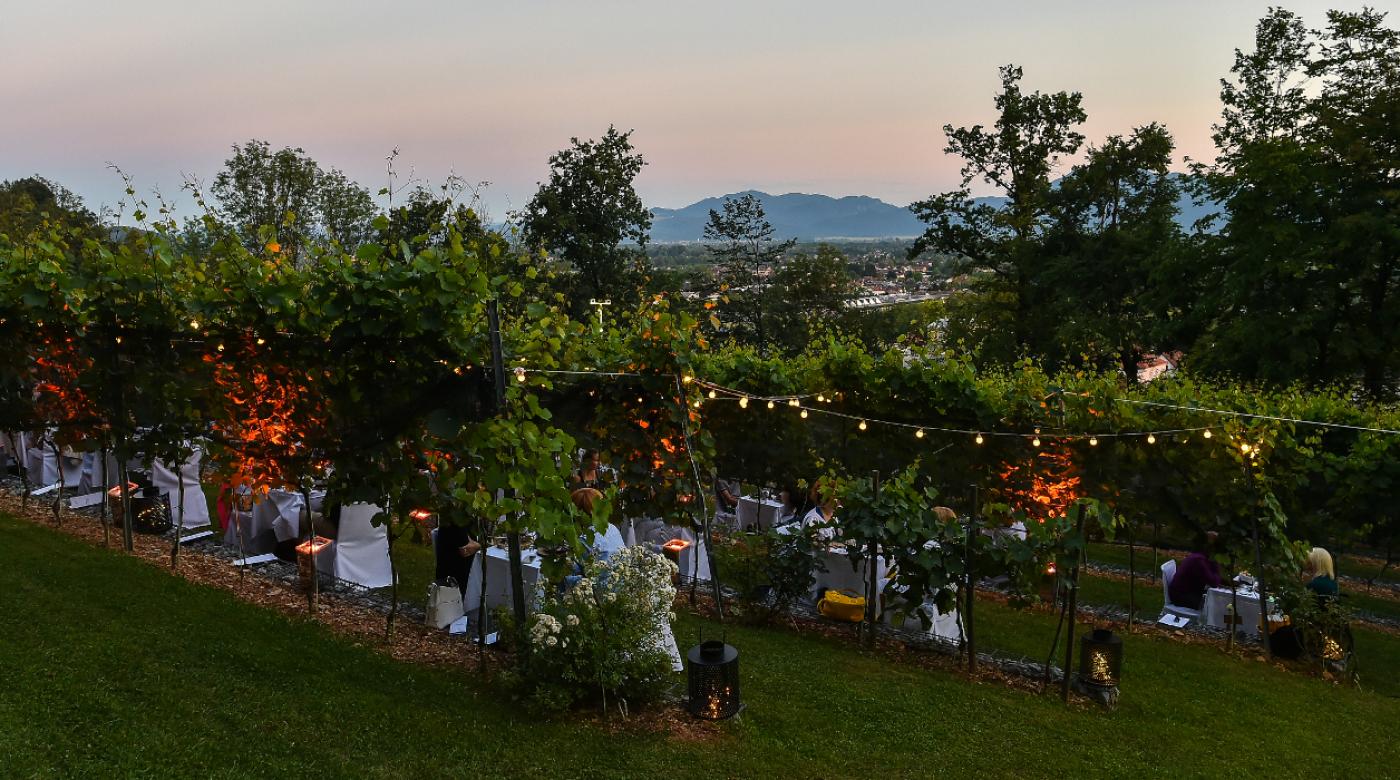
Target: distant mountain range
822 217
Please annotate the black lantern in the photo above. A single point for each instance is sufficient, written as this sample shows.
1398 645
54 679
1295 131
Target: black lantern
714 681
1100 664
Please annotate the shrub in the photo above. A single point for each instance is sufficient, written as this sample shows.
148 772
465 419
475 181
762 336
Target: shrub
768 570
604 634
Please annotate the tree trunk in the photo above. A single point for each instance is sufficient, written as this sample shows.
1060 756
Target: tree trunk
180 524
102 512
393 578
1073 614
58 499
872 587
970 587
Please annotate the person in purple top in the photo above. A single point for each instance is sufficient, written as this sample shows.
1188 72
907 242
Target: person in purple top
1194 574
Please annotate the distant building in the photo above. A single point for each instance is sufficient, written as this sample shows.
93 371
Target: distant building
1151 367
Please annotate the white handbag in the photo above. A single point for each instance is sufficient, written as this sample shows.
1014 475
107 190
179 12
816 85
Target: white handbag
444 604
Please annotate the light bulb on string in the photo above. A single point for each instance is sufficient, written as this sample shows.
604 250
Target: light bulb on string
194 324
743 402
978 439
919 433
821 397
1093 441
1151 439
1035 442
1206 433
804 414
863 426
712 394
1244 447
771 405
793 402
687 379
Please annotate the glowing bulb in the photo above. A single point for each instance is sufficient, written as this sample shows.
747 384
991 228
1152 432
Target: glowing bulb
688 379
793 402
1093 441
1035 442
261 341
744 402
1244 447
712 394
804 414
821 397
1151 439
639 399
771 405
919 433
119 339
979 438
220 348
697 403
194 324
863 426
1206 433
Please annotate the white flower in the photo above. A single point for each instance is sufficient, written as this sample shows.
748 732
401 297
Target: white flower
551 642
572 619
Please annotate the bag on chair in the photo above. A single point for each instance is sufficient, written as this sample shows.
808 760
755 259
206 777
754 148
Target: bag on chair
444 603
842 605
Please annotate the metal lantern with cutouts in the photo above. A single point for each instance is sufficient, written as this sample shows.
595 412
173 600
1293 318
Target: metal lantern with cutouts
1100 665
714 681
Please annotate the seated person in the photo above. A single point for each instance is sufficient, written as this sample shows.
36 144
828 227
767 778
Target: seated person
610 541
820 517
791 506
1322 581
727 494
589 473
1196 572
454 552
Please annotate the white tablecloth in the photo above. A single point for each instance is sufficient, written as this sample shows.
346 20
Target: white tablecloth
841 575
762 514
498 591
1217 602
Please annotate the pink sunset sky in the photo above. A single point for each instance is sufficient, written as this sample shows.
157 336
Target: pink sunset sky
836 98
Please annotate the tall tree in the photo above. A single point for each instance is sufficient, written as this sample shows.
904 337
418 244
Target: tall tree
285 197
809 289
1002 246
741 242
587 212
1116 225
1301 280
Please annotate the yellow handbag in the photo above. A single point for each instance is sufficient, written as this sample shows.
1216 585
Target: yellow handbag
842 605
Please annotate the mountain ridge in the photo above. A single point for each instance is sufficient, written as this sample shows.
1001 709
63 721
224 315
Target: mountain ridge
813 216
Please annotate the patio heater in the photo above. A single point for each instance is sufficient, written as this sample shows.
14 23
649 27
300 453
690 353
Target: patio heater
714 681
1100 666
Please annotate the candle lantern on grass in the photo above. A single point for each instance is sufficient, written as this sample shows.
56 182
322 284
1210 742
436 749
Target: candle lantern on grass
150 511
305 552
714 681
1100 665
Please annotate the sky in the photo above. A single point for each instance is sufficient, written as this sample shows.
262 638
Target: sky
840 98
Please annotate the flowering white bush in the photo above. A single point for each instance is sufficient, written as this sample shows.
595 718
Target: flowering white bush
605 635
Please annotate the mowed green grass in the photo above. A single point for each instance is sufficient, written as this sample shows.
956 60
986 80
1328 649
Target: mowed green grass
110 667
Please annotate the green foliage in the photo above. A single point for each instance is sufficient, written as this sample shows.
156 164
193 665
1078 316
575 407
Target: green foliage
741 241
587 211
769 571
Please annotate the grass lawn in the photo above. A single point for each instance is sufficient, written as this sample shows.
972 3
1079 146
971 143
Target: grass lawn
110 667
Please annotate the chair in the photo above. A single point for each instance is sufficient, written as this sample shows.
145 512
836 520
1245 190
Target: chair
361 548
1168 608
194 512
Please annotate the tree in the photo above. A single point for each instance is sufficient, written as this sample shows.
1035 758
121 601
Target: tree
587 211
1303 279
809 289
741 241
285 198
1116 224
1002 245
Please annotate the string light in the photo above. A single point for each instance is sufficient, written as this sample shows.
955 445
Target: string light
743 402
804 414
821 397
979 438
794 402
1206 433
1035 442
687 379
1093 441
919 433
261 341
771 405
863 426
1244 447
712 394
1151 439
194 324
520 374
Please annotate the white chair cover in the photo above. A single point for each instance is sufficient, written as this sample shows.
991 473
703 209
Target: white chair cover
195 511
72 470
41 461
607 543
361 548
